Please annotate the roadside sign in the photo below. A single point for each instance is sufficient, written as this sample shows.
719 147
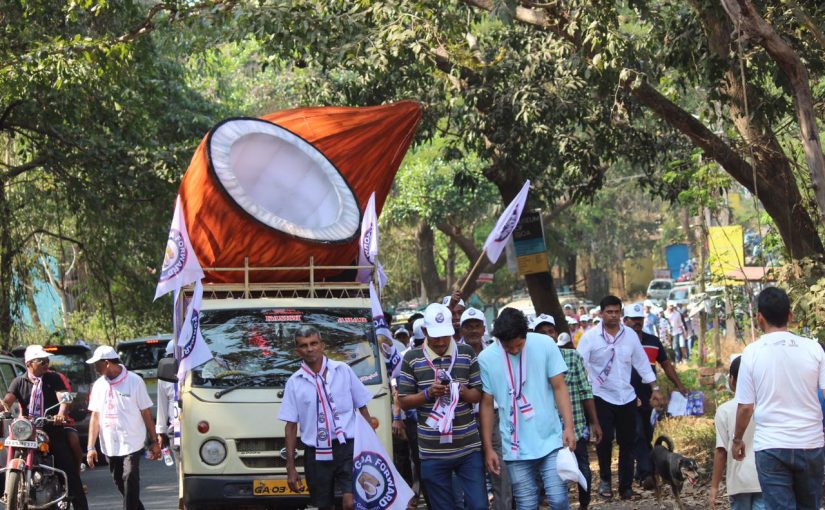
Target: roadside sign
528 237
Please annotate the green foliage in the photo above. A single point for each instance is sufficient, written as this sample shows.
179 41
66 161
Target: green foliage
805 284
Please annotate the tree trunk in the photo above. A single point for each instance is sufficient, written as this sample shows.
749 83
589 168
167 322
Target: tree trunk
703 317
425 248
570 271
6 259
717 340
545 299
745 16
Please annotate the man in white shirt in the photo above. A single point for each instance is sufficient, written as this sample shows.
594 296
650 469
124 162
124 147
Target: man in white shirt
322 396
780 376
678 334
167 411
609 352
121 416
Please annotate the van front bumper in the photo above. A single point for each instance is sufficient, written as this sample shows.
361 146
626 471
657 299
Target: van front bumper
228 489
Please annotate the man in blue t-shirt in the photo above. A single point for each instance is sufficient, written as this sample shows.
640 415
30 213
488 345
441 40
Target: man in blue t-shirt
524 374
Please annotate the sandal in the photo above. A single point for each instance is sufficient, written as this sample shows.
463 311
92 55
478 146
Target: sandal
605 491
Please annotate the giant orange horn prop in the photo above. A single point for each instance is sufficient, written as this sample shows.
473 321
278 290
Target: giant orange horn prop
291 185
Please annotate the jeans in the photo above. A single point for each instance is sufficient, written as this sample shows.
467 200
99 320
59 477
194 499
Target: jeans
791 478
747 501
437 475
523 474
126 474
644 443
618 421
584 466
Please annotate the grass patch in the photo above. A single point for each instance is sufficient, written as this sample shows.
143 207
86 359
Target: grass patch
694 437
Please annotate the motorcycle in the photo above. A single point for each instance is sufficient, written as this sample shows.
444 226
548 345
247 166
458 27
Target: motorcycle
32 481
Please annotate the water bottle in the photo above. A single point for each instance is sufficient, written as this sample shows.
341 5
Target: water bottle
167 457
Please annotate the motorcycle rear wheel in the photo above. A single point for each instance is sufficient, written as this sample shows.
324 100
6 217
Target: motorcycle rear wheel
15 494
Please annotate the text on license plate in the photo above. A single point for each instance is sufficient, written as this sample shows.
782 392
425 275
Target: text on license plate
276 488
20 444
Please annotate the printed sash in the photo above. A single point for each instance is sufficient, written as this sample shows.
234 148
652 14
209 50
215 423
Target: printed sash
36 404
326 413
601 378
518 398
110 415
443 412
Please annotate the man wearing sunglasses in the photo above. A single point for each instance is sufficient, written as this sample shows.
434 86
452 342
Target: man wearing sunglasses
37 390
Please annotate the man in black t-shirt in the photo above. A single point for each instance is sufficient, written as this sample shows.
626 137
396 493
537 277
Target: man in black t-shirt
634 319
37 390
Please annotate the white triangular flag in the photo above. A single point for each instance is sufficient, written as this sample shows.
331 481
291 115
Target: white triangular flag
368 246
180 263
376 483
191 346
382 332
505 225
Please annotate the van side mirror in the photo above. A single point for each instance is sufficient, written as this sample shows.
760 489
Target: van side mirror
168 370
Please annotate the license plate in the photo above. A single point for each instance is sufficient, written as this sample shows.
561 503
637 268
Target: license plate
276 488
20 444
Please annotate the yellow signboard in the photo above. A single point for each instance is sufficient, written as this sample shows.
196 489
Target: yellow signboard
531 264
726 250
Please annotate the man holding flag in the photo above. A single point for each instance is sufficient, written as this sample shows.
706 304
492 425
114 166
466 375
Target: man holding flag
323 396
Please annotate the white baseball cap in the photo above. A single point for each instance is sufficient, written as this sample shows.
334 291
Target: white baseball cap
438 319
446 301
595 311
102 352
568 468
571 321
634 311
540 319
36 352
564 339
400 331
584 318
417 333
473 314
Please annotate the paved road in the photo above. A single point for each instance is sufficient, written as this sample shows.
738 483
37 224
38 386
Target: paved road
158 487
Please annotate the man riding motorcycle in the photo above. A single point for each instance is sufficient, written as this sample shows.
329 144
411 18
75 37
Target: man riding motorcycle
39 389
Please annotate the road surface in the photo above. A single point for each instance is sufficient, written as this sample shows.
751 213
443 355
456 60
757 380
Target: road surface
158 487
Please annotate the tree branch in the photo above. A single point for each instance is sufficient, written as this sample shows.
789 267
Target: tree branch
14 252
14 171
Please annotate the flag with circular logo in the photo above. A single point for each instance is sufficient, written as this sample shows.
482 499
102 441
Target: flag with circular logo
368 246
376 483
505 225
180 264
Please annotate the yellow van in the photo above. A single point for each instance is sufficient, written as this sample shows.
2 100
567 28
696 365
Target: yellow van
232 443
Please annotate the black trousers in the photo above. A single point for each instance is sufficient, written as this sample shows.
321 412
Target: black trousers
126 475
617 421
64 459
644 443
584 466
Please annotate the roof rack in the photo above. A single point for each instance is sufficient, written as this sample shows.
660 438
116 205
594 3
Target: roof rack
309 289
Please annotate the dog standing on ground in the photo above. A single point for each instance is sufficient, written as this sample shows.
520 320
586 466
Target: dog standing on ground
671 468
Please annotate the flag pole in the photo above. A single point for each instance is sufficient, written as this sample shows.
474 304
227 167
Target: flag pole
473 270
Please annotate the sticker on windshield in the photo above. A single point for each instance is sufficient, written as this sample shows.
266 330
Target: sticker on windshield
282 318
351 319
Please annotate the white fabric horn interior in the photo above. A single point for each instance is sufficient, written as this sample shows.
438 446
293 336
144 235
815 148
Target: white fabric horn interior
283 181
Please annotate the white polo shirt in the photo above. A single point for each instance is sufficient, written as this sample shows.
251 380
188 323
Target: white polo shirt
122 430
781 374
300 400
630 354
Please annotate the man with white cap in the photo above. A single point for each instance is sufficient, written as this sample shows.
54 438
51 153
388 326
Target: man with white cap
472 327
121 416
418 336
545 325
634 316
441 380
581 398
167 410
457 307
37 390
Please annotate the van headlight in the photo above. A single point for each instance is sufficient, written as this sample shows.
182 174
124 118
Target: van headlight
22 429
213 452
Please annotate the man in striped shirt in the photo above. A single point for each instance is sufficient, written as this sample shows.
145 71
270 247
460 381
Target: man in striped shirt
441 381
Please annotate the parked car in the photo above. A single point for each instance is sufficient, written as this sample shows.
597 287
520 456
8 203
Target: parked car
10 367
141 356
659 289
70 360
682 294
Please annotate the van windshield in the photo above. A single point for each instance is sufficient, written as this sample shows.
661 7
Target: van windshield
257 345
142 356
660 285
678 294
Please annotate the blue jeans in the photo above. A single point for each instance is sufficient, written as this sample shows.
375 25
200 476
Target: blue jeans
747 501
437 476
790 478
523 479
